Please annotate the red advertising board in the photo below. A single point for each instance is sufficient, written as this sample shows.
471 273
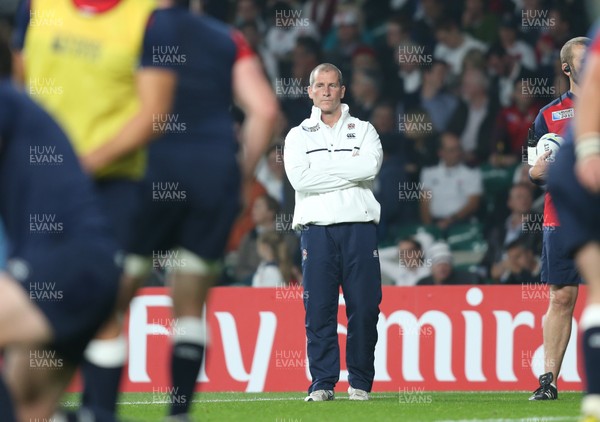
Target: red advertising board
430 338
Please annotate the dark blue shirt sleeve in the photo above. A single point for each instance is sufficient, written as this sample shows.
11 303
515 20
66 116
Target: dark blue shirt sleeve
21 23
161 46
540 128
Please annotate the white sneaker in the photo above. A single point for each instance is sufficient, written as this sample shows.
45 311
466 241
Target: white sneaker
320 395
357 394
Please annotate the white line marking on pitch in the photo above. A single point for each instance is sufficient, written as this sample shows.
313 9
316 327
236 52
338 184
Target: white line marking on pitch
528 419
138 403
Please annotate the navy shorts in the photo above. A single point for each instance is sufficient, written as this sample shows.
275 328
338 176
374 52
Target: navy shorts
193 207
558 267
119 202
578 209
74 284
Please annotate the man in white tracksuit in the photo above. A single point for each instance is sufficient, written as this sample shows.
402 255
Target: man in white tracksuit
331 160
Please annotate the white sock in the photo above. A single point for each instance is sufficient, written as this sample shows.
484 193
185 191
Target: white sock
107 353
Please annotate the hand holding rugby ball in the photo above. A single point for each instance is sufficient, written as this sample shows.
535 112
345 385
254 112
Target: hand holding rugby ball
548 142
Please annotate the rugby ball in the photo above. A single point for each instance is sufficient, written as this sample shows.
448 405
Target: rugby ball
548 142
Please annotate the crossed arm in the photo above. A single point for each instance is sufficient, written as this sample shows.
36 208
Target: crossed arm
330 175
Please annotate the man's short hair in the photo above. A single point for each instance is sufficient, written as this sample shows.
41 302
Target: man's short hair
519 242
523 185
373 77
416 244
311 46
327 67
428 67
496 50
566 52
480 77
446 23
248 24
448 135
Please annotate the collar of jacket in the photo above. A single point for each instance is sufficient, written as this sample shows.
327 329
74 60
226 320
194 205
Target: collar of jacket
316 113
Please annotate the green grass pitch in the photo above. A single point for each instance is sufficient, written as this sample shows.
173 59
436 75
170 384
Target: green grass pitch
402 406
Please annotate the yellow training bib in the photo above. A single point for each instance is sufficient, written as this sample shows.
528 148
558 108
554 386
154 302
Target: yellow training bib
81 68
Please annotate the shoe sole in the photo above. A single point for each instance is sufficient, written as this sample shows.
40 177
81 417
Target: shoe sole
311 399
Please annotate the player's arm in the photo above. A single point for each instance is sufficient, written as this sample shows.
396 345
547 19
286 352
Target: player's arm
22 19
255 97
253 94
424 205
474 188
587 123
361 167
155 89
304 177
537 173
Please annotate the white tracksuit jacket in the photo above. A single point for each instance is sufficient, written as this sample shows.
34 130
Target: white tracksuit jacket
332 170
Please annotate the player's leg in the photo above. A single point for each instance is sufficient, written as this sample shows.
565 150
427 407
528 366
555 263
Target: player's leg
37 378
588 261
191 282
321 278
201 231
20 322
578 212
559 272
361 283
557 327
106 355
7 412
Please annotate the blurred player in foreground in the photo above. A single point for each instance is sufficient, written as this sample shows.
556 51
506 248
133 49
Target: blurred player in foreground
191 192
61 280
90 63
558 269
575 185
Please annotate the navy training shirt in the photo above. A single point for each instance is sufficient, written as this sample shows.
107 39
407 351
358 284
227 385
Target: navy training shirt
203 56
45 197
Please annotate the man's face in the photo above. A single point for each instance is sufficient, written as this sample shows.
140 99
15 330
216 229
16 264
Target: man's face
450 151
515 259
246 10
495 65
507 35
274 163
260 211
440 271
359 86
409 254
326 91
449 37
348 33
519 200
438 73
578 53
520 97
383 119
